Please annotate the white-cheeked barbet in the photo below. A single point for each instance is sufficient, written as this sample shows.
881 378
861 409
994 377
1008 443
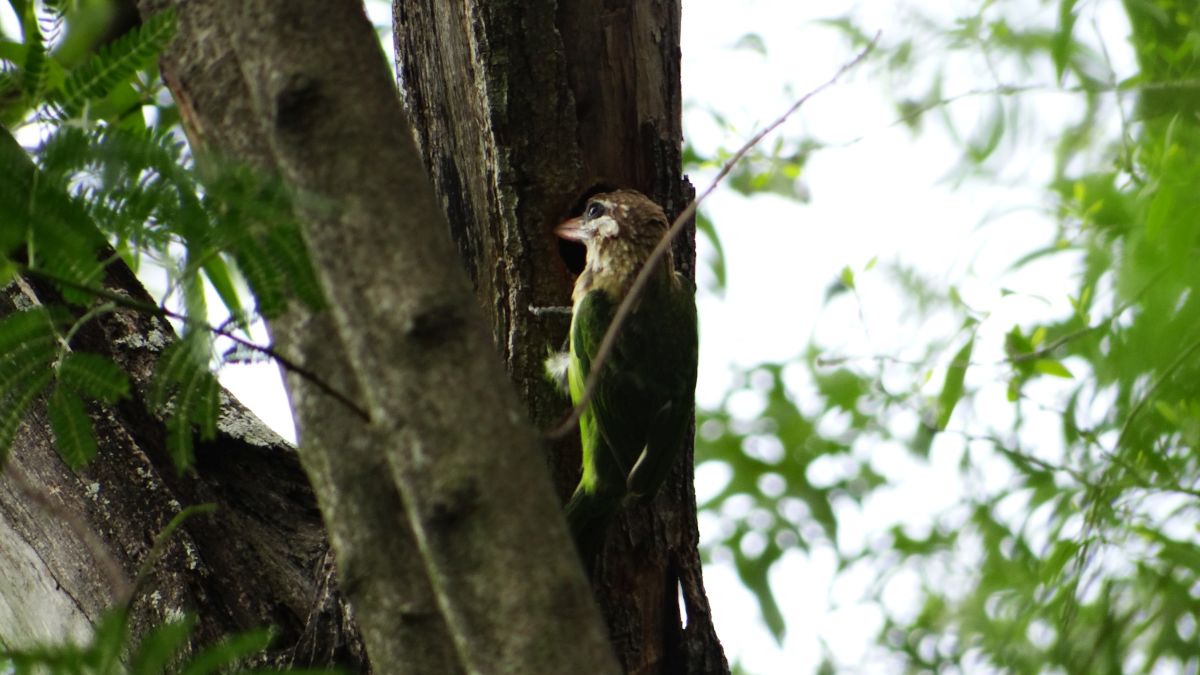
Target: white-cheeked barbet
633 428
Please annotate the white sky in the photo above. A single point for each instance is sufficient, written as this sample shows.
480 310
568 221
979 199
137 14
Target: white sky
885 196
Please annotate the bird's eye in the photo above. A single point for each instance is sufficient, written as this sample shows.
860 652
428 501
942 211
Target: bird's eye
595 210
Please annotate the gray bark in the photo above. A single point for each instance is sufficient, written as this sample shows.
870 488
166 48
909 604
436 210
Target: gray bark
384 578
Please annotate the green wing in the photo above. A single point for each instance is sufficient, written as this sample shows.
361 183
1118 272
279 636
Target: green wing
644 397
675 372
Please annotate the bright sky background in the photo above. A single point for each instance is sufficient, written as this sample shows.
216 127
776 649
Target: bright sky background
884 196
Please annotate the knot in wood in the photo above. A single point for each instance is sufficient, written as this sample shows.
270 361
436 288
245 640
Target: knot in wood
437 322
297 103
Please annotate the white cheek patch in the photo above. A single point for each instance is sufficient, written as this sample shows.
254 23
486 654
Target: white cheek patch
607 227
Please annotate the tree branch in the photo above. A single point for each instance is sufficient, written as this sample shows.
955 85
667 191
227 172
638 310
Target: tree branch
157 310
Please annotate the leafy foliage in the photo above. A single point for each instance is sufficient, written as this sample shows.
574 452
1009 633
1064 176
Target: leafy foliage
1070 548
184 386
111 177
115 64
165 649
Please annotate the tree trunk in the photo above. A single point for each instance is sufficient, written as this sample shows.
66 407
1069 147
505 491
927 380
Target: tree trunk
72 543
522 108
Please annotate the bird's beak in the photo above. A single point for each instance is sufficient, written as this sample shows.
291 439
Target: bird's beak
574 229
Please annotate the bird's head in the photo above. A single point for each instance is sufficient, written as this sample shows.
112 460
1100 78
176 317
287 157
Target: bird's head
619 229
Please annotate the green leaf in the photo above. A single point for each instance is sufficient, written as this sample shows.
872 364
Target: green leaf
108 641
94 376
988 136
72 428
206 405
156 650
177 364
952 387
253 261
117 63
1063 44
179 442
752 42
705 226
16 401
1051 367
848 277
229 652
33 72
1167 412
217 273
286 241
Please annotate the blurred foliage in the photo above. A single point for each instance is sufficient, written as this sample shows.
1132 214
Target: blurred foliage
94 169
1082 551
165 649
105 173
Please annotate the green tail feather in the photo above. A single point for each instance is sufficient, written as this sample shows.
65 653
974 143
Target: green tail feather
588 516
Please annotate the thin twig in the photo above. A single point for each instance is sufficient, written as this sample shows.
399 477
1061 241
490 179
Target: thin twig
156 310
664 244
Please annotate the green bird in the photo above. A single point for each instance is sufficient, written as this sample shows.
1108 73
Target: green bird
633 428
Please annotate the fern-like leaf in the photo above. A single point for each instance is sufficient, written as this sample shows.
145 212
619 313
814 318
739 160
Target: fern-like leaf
217 273
287 243
14 405
254 262
94 376
20 328
179 442
173 365
185 391
197 400
160 647
28 346
226 654
72 428
33 70
117 63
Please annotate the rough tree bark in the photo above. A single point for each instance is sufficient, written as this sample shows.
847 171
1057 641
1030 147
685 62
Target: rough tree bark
71 543
521 109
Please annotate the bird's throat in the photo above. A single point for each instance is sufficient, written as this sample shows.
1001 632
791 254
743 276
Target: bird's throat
613 269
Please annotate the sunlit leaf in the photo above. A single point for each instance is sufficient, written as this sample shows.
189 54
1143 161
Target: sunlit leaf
952 386
1051 367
